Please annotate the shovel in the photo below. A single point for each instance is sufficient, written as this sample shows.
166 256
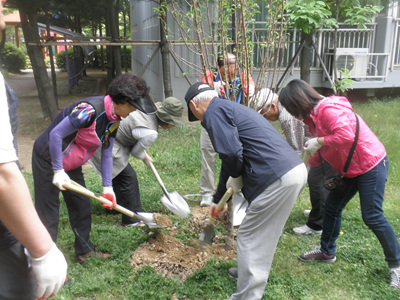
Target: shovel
173 201
147 218
306 158
207 235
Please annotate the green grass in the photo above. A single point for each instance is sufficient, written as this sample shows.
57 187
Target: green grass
359 273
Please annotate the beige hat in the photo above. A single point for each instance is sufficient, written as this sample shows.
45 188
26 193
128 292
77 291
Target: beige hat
170 111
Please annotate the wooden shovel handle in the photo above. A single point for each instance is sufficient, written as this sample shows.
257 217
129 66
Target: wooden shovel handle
225 197
76 187
306 158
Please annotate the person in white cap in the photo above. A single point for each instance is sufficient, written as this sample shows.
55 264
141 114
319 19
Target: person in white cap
256 159
296 132
136 133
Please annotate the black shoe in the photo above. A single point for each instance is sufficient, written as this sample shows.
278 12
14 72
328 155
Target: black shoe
233 272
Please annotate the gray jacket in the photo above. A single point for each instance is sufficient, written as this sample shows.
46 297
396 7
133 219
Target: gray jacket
124 141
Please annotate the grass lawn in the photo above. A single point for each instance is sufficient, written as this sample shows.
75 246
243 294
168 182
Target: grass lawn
359 273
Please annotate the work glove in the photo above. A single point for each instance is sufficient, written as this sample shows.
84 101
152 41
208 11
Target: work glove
147 159
235 183
59 178
50 272
214 212
108 193
312 146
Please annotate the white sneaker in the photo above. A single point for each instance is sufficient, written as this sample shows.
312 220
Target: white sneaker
394 278
206 201
305 230
306 212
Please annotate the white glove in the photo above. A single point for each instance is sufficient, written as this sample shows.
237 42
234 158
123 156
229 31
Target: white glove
50 272
59 178
235 183
147 159
108 193
312 146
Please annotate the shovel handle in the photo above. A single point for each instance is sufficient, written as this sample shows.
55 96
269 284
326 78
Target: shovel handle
221 203
76 187
225 197
306 158
160 182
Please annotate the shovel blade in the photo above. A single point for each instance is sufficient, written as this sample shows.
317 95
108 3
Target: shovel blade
148 219
207 236
176 204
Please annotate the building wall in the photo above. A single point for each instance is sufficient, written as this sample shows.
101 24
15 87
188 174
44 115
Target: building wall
145 26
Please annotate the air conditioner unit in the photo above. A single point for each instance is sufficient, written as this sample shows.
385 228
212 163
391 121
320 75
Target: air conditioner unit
353 59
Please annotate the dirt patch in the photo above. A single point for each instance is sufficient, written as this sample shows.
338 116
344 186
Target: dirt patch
170 257
162 220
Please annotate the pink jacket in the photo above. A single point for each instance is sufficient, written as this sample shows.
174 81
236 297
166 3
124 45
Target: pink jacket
333 118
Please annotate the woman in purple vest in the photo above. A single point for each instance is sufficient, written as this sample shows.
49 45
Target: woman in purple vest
68 143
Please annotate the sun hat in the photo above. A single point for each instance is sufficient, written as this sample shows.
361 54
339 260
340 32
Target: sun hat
144 104
170 111
192 92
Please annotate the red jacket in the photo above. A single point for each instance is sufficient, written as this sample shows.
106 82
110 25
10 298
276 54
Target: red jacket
333 118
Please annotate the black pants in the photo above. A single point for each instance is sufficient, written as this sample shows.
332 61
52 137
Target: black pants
16 278
318 194
47 203
126 188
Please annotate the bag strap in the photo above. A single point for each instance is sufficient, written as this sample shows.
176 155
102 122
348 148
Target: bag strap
353 147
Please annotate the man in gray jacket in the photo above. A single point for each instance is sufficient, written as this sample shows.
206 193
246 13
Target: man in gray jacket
256 159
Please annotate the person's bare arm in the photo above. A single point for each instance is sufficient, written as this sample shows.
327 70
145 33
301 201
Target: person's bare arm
18 213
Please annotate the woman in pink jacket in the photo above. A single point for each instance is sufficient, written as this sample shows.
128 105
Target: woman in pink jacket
332 122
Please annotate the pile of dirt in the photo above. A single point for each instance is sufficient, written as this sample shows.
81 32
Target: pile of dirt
170 257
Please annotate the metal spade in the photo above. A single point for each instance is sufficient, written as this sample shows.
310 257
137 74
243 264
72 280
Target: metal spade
147 218
173 201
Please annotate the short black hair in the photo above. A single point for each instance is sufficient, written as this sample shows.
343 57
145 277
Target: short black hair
298 98
126 87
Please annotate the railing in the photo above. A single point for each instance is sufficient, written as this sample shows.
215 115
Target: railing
284 51
396 45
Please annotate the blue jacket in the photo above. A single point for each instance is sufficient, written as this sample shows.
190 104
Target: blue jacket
248 145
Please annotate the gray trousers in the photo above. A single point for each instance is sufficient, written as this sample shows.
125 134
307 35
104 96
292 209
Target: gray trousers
208 158
259 233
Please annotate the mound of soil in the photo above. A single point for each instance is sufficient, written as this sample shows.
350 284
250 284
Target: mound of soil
170 257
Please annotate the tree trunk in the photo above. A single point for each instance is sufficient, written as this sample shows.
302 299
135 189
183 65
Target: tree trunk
164 47
30 29
109 52
305 56
114 30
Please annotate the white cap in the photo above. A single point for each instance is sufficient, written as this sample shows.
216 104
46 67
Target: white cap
263 98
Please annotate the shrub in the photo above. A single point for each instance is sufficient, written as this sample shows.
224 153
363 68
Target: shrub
97 63
61 61
12 58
